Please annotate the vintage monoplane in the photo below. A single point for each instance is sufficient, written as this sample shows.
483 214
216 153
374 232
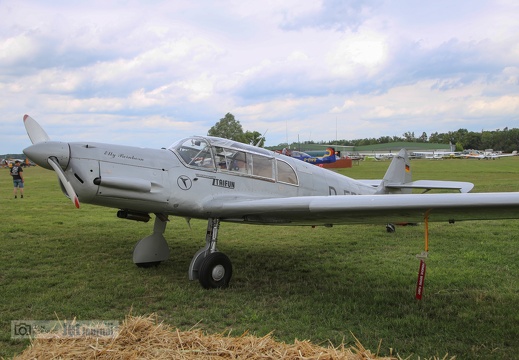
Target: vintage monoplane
223 180
328 158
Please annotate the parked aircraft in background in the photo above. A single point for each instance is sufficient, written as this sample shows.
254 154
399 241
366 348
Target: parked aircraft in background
380 156
435 155
327 158
355 156
496 155
472 154
222 180
488 154
10 162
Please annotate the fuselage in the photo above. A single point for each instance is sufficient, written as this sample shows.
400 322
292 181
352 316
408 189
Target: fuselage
180 179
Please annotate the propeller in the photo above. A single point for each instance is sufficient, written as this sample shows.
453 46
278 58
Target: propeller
45 153
34 130
66 184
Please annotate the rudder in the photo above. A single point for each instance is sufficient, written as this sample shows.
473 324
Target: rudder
398 173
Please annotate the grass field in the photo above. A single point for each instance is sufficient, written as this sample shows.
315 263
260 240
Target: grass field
321 284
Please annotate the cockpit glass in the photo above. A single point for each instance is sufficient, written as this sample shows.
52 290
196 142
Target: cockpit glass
195 152
223 155
231 159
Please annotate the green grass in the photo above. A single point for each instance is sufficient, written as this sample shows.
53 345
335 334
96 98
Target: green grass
321 284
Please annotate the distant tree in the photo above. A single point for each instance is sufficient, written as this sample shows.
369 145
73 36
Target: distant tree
435 138
384 139
253 138
512 141
229 128
409 136
423 138
464 136
487 140
471 140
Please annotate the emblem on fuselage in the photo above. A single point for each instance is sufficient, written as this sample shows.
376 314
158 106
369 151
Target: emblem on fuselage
184 182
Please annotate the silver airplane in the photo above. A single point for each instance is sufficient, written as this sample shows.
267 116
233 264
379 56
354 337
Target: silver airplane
223 180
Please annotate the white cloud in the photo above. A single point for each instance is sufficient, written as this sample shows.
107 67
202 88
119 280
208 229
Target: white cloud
358 54
16 49
500 106
151 72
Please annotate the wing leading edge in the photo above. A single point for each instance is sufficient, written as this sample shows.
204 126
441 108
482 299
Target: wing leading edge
370 209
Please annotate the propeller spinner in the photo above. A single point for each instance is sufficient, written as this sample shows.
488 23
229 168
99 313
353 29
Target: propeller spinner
52 155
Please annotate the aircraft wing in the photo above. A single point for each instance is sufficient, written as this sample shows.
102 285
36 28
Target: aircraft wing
372 209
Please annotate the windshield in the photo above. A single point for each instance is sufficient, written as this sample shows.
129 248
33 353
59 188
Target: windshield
194 152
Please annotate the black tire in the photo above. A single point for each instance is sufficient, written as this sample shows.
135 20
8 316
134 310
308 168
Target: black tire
215 271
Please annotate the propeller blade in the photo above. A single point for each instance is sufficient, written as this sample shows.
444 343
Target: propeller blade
34 130
45 151
61 175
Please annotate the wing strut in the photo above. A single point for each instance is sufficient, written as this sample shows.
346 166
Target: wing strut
426 221
423 256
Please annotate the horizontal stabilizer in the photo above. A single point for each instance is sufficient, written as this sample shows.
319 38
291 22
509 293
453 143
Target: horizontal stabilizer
461 186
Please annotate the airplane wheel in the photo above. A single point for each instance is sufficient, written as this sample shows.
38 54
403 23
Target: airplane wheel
215 271
390 228
148 264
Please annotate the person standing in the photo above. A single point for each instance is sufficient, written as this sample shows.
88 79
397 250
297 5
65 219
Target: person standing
17 174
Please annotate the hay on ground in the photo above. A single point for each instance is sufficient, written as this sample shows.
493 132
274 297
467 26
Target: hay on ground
145 338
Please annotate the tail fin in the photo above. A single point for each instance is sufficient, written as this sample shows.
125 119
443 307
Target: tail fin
398 179
398 173
330 155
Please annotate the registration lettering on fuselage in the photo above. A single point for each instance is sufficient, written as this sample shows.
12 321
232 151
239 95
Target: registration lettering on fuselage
223 183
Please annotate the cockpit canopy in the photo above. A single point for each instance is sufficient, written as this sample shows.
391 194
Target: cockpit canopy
222 155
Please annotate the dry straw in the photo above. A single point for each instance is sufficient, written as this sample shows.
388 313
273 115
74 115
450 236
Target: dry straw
146 338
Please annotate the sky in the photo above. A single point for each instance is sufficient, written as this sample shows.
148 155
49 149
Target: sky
146 73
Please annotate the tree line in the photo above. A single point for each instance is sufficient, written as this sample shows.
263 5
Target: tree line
506 140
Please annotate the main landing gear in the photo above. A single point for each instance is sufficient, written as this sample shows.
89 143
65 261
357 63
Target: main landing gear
212 268
152 250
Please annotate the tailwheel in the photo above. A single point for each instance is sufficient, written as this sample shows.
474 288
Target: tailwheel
215 271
